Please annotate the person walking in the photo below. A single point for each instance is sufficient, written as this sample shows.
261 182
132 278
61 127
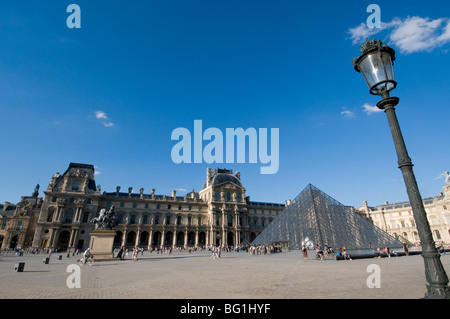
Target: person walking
305 252
405 248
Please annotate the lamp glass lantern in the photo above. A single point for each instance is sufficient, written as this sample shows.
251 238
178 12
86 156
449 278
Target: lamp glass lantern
375 64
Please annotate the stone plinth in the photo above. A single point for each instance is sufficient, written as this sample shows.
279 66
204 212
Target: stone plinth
101 244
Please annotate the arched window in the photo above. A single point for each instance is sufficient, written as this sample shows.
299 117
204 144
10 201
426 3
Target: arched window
228 197
50 213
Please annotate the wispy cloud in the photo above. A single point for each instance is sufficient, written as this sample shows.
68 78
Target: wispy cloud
100 115
370 109
348 113
442 175
413 34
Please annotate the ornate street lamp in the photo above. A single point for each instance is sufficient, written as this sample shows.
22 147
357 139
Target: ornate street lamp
375 64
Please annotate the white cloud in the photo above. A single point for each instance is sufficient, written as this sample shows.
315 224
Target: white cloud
442 175
417 34
100 115
369 109
413 34
348 113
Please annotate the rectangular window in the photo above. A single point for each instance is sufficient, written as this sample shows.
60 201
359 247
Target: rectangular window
85 217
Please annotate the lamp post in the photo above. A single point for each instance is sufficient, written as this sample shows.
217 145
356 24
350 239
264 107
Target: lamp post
375 64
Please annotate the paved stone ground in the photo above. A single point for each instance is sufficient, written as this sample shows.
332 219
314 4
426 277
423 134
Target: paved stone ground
233 276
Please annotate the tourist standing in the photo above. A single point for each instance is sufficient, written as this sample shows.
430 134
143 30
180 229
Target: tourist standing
305 253
405 248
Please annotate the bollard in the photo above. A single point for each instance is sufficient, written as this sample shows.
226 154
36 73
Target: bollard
19 267
46 260
60 257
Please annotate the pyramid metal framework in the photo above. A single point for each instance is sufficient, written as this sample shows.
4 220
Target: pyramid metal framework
314 218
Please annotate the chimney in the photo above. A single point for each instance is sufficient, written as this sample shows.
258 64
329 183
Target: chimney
6 206
208 177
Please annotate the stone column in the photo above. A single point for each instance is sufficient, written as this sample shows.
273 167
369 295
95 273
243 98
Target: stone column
196 238
163 236
138 235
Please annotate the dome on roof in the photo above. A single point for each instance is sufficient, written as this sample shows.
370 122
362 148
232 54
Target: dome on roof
220 176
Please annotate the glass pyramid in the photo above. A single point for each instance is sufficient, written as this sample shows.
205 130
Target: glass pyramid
314 218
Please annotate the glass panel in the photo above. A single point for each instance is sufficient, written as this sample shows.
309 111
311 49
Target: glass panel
377 69
314 218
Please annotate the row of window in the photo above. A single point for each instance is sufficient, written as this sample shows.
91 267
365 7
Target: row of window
71 200
18 226
158 206
217 197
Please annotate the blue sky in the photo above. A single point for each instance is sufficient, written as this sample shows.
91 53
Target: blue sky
111 93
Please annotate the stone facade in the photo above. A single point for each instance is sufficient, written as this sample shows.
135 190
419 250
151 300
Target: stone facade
397 218
220 214
18 222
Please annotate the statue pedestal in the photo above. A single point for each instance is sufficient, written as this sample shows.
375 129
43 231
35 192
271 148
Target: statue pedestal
101 244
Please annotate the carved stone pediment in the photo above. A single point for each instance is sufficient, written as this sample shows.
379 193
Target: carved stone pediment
78 173
24 209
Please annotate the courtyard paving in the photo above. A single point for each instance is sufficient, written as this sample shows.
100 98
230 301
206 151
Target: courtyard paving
196 275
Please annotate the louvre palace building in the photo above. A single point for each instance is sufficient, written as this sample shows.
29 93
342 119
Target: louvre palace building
220 214
397 218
